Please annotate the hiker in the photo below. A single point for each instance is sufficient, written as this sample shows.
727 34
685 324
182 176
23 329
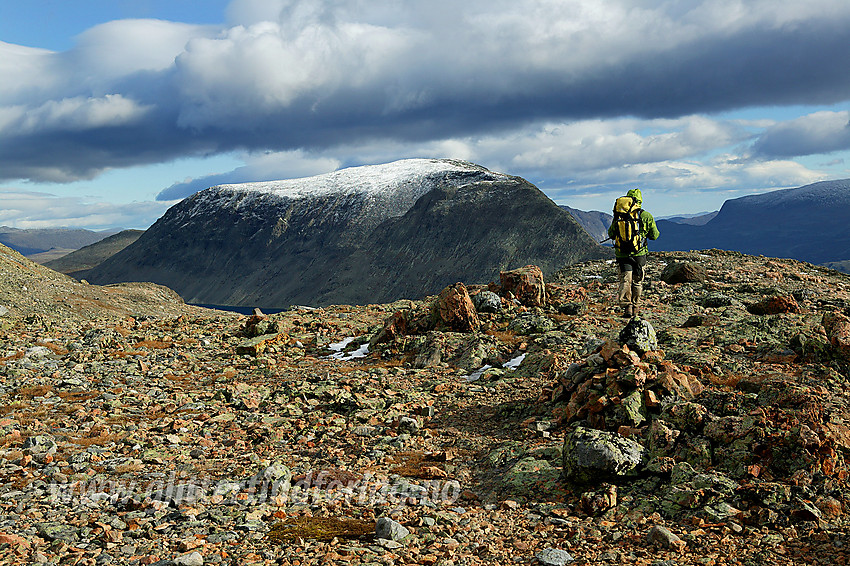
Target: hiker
631 227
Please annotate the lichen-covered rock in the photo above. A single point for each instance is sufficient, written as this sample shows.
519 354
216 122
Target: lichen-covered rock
526 284
530 323
639 335
592 455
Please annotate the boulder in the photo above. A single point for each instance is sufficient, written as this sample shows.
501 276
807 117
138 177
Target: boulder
837 328
455 311
526 284
553 557
388 529
684 272
639 335
487 301
530 323
592 455
774 305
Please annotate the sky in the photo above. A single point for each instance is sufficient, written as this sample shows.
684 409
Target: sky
111 111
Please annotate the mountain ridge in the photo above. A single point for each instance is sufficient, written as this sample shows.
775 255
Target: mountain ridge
348 236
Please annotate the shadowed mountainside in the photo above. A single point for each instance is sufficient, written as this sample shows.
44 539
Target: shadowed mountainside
77 263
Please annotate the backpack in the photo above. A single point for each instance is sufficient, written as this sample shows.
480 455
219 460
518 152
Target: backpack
629 226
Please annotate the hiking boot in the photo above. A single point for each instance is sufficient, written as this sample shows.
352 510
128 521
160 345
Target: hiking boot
628 311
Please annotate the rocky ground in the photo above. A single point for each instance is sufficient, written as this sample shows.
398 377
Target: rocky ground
151 432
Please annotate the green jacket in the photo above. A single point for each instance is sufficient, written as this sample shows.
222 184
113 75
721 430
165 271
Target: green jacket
650 230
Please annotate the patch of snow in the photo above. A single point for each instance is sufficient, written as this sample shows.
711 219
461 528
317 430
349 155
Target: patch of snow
511 365
340 346
476 375
339 354
514 363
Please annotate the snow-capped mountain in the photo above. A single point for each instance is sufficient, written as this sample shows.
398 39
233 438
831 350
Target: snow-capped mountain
359 235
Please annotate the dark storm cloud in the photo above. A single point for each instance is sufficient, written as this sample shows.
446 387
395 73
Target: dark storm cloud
320 74
821 132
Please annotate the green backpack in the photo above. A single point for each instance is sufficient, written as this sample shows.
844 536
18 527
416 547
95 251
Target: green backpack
629 226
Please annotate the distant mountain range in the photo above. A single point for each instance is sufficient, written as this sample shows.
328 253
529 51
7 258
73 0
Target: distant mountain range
360 235
806 223
29 242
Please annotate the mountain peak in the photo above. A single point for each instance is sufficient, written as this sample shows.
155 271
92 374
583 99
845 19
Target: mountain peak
368 179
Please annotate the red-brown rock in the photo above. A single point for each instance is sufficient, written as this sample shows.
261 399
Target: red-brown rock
837 328
454 310
526 283
775 305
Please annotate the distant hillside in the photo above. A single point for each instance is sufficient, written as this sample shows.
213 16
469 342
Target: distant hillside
360 235
802 223
78 262
34 241
693 219
50 255
842 266
596 223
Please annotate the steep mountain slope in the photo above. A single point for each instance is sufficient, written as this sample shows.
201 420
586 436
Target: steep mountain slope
359 235
78 262
802 223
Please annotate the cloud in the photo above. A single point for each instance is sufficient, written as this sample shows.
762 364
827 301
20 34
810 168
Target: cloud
31 209
821 132
311 75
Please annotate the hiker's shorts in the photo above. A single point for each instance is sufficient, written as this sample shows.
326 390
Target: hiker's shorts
633 263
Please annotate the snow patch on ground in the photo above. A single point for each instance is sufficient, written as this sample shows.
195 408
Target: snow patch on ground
339 347
511 365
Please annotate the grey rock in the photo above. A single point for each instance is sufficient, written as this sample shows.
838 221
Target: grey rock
39 447
590 455
663 537
530 323
58 531
639 335
388 529
553 557
487 301
190 559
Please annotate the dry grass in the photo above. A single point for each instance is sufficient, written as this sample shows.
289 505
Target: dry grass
55 348
95 440
33 391
506 337
153 344
320 528
418 465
